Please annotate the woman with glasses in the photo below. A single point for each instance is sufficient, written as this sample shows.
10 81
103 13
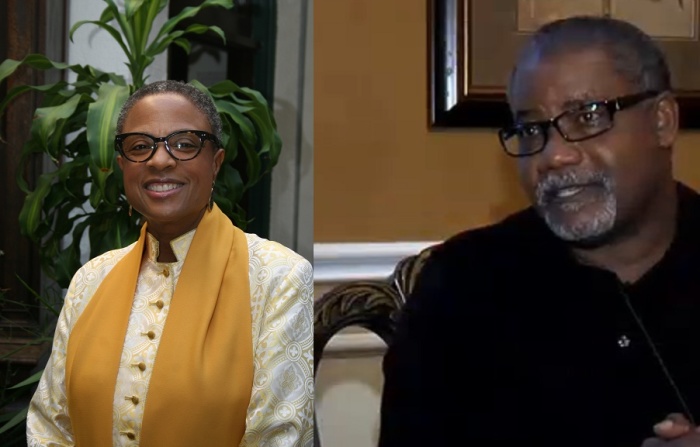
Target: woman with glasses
198 334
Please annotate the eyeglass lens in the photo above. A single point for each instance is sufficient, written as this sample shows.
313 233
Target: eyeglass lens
183 145
574 125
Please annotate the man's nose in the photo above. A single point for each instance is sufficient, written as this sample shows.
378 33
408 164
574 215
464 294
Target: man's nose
559 153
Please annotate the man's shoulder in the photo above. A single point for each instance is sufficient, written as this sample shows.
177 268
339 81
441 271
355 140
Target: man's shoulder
511 234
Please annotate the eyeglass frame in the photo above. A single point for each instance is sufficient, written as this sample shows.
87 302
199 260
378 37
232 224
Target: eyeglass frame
613 106
203 137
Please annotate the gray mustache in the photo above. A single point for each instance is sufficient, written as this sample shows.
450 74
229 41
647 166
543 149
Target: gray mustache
549 185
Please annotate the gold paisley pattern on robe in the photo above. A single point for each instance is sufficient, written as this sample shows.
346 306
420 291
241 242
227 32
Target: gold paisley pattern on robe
280 412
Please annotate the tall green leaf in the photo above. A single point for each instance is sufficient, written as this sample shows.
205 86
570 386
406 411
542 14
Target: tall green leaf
190 11
46 118
101 123
131 6
36 61
30 214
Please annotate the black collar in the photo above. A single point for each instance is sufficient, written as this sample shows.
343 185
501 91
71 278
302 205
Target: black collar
530 228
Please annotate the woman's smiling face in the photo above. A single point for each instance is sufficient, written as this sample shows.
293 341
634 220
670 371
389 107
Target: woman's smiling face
172 195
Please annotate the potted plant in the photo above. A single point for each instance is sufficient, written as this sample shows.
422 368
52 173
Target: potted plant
75 126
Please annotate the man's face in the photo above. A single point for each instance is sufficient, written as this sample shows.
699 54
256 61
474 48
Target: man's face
585 189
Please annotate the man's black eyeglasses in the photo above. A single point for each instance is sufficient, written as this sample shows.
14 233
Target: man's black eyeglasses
182 145
579 124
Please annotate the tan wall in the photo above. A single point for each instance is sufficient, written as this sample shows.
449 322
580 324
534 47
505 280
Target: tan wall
379 174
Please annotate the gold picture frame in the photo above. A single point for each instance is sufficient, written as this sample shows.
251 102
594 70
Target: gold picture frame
466 93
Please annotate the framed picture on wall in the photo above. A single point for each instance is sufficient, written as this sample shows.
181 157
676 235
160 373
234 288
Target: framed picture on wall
473 45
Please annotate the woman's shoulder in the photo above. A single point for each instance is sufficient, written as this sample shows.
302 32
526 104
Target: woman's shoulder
107 259
98 267
88 278
267 251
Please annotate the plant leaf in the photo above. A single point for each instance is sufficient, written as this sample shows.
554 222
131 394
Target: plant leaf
31 380
127 30
187 12
17 419
116 35
20 89
30 214
37 61
46 118
131 6
157 48
47 305
107 15
218 31
197 28
101 123
243 123
184 44
233 183
265 121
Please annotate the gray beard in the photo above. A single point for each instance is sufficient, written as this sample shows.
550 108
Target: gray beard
594 226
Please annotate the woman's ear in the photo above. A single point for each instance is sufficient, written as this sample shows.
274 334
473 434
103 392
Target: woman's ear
218 160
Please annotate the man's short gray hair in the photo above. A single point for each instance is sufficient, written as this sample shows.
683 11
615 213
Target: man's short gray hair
199 99
633 53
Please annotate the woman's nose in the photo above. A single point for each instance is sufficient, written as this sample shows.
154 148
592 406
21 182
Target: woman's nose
161 157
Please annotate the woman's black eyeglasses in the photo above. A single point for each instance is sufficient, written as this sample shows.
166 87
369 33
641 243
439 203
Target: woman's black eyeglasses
182 145
579 124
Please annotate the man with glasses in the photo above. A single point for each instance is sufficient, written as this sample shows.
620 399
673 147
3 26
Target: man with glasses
577 320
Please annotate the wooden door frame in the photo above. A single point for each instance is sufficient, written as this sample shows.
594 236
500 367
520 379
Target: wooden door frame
33 26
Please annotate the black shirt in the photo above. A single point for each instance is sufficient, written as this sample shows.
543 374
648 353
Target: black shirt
507 338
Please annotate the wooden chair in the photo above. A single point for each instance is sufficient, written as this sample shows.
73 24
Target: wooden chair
373 305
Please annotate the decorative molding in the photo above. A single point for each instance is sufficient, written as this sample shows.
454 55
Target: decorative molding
361 344
343 262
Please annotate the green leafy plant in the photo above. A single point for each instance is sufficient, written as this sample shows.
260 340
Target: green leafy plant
75 128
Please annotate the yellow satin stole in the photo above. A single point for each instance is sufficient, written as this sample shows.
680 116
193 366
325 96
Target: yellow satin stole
202 378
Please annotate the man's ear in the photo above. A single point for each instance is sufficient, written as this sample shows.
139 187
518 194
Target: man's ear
666 120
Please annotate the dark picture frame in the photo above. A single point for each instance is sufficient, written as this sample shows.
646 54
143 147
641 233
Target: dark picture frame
465 95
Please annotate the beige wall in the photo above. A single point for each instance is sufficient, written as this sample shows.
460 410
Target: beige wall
380 175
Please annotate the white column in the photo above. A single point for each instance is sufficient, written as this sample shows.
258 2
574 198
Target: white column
291 215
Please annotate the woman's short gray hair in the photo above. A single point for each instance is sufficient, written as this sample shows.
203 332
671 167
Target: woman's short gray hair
199 99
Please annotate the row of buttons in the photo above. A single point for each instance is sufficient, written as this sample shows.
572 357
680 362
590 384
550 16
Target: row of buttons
141 365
